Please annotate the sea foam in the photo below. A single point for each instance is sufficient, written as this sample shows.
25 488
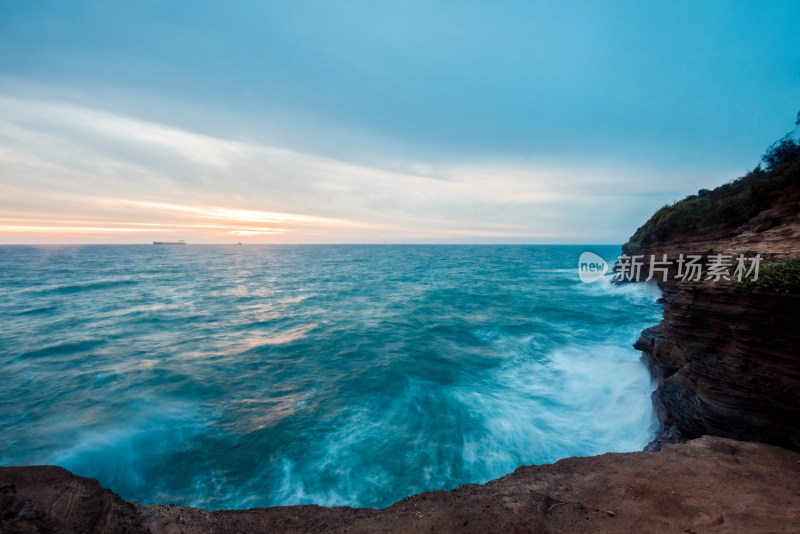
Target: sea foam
232 377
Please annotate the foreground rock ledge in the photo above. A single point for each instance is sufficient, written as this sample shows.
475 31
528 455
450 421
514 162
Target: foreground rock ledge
709 484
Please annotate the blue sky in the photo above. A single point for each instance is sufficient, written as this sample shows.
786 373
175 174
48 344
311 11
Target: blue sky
356 121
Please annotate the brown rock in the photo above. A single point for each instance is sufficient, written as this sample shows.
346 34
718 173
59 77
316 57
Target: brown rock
706 485
726 356
51 499
726 363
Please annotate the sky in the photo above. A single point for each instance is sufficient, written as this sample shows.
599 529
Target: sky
355 121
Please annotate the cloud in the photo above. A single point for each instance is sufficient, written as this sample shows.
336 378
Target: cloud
66 169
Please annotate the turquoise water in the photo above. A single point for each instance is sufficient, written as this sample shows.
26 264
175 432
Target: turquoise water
243 376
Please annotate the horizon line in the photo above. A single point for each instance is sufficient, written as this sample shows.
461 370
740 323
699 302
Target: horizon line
308 244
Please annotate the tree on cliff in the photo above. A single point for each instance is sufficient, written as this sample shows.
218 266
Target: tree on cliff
781 152
730 204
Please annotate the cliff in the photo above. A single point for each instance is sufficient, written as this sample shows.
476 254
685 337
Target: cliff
706 485
726 354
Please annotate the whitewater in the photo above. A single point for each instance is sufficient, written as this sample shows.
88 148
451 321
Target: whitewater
245 376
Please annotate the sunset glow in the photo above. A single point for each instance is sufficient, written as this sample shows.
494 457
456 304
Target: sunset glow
519 139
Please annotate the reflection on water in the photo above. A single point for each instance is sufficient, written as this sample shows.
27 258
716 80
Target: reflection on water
229 377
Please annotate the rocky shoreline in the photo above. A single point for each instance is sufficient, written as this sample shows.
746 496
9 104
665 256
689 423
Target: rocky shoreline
706 485
726 364
728 402
725 355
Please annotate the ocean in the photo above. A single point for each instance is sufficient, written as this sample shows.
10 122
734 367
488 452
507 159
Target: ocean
245 376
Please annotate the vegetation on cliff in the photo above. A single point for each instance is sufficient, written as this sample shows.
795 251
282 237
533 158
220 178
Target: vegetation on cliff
730 205
781 276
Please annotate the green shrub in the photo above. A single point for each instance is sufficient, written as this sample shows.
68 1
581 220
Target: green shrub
781 152
781 276
730 204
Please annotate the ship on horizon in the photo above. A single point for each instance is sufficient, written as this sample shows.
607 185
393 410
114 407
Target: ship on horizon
178 242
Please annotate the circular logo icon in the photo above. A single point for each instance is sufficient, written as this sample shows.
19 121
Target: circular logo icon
591 267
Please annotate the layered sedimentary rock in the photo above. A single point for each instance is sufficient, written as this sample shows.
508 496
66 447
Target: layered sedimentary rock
726 355
706 485
726 362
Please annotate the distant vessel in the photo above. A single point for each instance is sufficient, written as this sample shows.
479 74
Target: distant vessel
179 242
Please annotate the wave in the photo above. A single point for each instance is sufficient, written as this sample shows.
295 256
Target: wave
283 377
85 286
633 292
37 311
63 348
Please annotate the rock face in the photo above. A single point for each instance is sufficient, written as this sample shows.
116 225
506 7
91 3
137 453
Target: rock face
727 364
706 485
727 357
48 499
